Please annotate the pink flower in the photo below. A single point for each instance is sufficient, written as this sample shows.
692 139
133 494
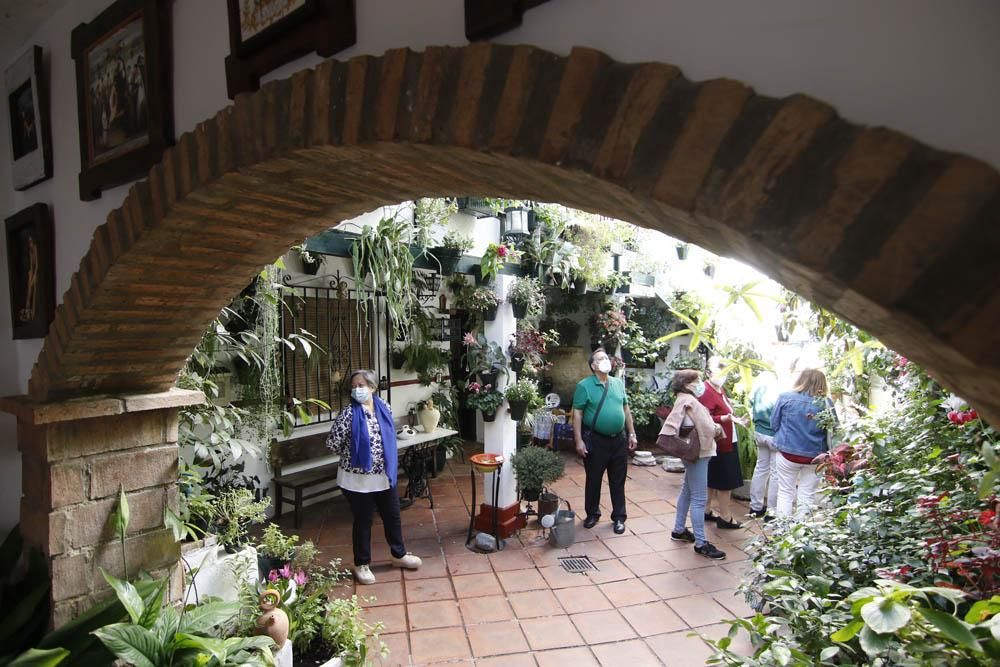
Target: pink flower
301 578
474 387
488 387
272 576
469 339
502 251
286 571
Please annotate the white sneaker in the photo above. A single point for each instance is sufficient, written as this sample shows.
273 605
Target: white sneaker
363 575
409 561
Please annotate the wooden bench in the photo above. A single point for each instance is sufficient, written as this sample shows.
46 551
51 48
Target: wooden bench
311 448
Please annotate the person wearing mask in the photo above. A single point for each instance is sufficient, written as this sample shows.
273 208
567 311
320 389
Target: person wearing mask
762 401
690 419
364 435
800 438
724 471
602 423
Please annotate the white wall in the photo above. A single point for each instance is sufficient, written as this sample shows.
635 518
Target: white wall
925 67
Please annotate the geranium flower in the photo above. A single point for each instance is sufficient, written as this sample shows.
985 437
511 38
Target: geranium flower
502 251
474 387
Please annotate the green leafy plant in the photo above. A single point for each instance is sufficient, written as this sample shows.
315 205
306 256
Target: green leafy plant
234 511
426 360
483 397
483 356
457 242
430 212
527 292
535 467
524 391
478 300
381 256
276 545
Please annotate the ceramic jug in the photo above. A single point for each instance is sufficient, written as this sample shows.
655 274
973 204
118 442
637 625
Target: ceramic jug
274 621
429 417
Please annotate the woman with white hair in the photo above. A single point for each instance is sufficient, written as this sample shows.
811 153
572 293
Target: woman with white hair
364 434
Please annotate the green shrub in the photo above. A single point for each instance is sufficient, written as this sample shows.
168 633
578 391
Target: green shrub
535 467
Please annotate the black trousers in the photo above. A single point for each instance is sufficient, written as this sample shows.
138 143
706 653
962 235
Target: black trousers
611 455
363 506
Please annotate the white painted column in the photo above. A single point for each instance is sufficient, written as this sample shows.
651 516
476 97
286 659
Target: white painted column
500 435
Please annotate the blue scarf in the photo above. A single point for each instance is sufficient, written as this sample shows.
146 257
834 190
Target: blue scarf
361 442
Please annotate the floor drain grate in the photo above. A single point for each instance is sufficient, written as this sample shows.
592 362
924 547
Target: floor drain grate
576 563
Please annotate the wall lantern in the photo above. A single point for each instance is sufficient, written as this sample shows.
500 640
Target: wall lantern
515 221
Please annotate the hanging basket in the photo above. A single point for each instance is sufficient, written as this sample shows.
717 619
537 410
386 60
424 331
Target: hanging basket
398 359
517 409
520 310
311 268
682 251
477 273
579 287
448 259
490 314
489 416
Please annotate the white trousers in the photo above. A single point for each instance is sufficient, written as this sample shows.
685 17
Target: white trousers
767 456
789 474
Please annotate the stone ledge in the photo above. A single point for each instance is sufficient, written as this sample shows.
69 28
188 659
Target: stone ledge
88 407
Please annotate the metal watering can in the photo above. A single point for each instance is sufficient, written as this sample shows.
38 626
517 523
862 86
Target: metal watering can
561 525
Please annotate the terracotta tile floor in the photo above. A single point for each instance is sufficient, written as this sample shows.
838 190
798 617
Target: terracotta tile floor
519 607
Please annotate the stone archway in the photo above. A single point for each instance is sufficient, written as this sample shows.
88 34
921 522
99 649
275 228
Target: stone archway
897 237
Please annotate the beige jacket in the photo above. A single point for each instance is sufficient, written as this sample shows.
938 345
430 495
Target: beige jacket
704 427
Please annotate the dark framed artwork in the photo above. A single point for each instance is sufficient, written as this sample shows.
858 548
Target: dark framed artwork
28 104
266 34
485 19
30 266
124 97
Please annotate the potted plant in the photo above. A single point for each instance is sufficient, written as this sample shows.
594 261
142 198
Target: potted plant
617 282
310 261
564 268
481 300
426 360
234 511
608 327
709 268
398 358
521 397
275 550
484 357
452 247
493 260
485 398
534 468
682 250
528 348
526 296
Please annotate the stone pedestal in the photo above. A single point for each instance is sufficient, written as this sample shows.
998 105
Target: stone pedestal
74 456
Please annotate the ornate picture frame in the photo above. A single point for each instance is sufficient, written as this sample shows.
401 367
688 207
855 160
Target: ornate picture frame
124 95
266 34
27 98
31 271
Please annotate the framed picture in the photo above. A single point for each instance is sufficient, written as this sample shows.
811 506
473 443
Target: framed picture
123 89
266 34
485 19
31 270
28 103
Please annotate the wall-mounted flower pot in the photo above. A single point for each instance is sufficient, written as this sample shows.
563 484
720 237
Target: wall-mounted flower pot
517 409
477 273
490 314
579 287
311 267
489 416
447 258
545 385
682 251
398 359
645 279
489 378
627 356
520 310
517 362
710 270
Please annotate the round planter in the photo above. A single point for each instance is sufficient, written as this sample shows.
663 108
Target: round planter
520 310
579 287
491 314
531 495
517 409
489 416
517 363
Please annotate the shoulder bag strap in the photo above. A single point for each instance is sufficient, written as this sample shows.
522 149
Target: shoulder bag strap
601 404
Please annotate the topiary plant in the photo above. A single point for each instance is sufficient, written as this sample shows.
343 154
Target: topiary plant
535 467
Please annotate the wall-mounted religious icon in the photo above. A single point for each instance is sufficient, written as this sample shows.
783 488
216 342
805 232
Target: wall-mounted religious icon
31 271
28 103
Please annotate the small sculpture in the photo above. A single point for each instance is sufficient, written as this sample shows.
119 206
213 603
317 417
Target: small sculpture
274 621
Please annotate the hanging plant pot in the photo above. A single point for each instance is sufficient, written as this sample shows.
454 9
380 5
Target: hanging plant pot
594 344
489 416
517 409
531 495
490 314
523 439
520 310
579 287
710 270
477 273
545 385
311 267
682 251
489 377
627 355
448 259
398 359
624 289
517 362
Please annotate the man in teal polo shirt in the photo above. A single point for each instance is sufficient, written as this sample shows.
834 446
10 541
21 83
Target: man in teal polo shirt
600 420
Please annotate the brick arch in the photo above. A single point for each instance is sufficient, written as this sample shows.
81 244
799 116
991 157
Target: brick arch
897 237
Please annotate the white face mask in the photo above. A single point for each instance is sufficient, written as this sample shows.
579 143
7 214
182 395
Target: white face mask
604 366
361 394
698 389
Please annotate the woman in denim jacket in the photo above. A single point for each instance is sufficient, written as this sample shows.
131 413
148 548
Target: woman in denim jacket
799 438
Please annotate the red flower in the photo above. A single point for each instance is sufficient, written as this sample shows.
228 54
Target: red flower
953 417
987 517
502 251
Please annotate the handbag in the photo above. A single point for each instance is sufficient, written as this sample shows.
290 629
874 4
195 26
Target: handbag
678 447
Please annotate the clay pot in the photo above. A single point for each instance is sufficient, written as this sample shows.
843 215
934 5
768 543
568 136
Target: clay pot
274 621
429 417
